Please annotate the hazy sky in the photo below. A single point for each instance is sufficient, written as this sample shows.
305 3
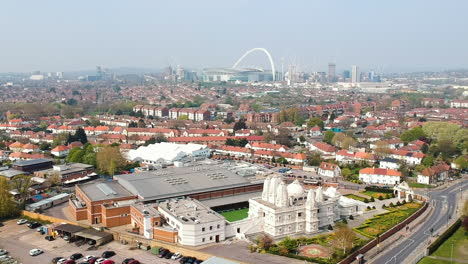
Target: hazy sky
391 35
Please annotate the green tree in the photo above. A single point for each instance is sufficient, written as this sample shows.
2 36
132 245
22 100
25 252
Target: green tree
428 161
60 139
412 134
343 238
22 183
290 244
346 172
230 119
109 160
77 156
315 121
282 160
314 159
461 162
328 136
89 158
240 125
7 204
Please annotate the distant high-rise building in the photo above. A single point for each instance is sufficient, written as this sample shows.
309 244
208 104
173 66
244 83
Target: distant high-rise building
331 72
346 75
355 76
180 72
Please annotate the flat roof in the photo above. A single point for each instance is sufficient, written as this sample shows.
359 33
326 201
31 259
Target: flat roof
69 228
190 211
30 162
48 200
104 190
10 173
70 168
94 234
174 182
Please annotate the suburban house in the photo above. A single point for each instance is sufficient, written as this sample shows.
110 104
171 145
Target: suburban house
346 156
60 151
436 173
411 158
324 148
389 163
379 176
266 146
329 170
315 131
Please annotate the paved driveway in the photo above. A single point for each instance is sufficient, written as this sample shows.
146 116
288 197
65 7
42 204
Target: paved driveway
19 239
238 250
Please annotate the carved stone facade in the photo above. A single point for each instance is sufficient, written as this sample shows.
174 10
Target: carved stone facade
291 210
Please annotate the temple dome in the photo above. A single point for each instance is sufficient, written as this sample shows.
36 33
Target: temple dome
295 189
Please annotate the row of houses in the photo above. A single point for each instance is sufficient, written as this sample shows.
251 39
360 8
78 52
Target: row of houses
173 113
245 152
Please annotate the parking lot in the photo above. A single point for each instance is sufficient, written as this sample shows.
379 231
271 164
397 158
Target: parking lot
18 240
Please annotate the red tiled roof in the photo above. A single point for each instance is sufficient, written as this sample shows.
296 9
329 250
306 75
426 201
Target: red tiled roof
379 171
324 147
59 148
328 166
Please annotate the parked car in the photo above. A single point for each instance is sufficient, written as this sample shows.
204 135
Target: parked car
49 238
56 259
21 221
33 225
198 261
134 262
109 261
100 260
176 255
70 261
92 260
4 258
108 254
183 260
35 252
62 261
127 260
168 255
3 252
163 253
88 257
76 256
190 260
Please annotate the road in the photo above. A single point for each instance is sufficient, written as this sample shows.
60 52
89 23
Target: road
445 205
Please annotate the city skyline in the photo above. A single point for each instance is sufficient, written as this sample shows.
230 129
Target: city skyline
389 37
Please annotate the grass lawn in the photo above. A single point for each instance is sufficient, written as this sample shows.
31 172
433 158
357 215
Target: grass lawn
382 222
427 260
419 185
459 239
236 215
355 197
376 194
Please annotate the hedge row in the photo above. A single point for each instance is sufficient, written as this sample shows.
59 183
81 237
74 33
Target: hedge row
441 239
378 189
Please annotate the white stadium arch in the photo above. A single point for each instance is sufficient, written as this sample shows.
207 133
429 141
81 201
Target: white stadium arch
272 64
